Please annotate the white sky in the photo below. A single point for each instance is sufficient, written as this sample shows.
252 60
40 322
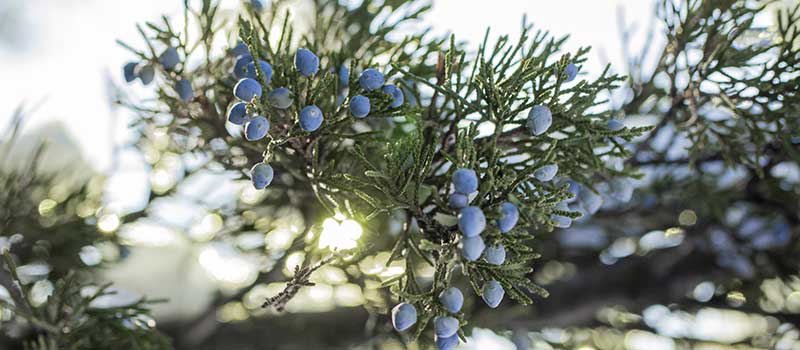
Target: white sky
68 50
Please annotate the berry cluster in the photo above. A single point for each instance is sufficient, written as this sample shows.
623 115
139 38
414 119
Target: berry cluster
168 60
249 91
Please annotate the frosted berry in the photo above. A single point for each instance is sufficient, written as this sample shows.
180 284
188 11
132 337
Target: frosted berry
572 72
240 68
539 120
256 129
458 200
465 180
509 215
397 95
614 125
261 174
371 79
237 113
496 255
546 173
492 293
445 326
250 70
404 315
146 74
246 89
359 106
471 221
184 89
452 299
306 62
169 58
446 343
311 118
129 71
472 247
280 98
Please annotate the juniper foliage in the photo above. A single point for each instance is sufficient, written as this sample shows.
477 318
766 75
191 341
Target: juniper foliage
720 102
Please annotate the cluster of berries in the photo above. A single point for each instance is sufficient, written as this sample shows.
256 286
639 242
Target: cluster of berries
310 118
145 71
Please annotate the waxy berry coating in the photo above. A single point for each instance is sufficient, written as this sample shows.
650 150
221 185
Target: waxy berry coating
359 106
492 293
261 174
452 299
237 114
509 215
311 118
472 247
256 129
306 62
539 120
404 315
246 89
371 79
465 180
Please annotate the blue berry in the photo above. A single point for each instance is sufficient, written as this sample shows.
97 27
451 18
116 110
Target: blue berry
445 326
306 62
169 58
371 79
184 89
239 50
240 68
246 89
458 200
404 315
256 129
590 201
509 214
344 76
452 299
465 180
539 120
250 70
472 247
237 113
146 74
572 72
471 221
359 106
546 173
614 125
280 98
496 255
129 71
446 343
397 95
261 174
492 293
311 118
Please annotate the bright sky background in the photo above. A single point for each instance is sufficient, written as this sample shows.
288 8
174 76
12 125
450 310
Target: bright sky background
61 53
